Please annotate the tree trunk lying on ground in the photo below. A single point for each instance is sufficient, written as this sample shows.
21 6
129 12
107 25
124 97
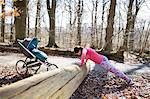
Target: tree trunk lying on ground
55 84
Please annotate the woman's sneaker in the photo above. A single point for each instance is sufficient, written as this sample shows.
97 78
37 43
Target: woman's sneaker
130 82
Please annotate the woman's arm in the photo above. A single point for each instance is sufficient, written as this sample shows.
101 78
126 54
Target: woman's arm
83 56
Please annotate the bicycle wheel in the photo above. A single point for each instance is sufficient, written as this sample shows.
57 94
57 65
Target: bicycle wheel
21 67
51 67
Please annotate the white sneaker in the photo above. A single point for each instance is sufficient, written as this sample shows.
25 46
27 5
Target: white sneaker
130 82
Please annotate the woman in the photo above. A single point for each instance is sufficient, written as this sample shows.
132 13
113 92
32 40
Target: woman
89 53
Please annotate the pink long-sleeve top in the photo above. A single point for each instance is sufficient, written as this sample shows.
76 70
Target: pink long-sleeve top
88 53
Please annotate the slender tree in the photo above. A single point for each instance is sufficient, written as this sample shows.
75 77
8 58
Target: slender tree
128 25
94 32
92 26
3 21
140 32
95 23
102 23
138 4
70 14
145 42
109 28
120 26
12 26
28 20
70 22
79 15
37 21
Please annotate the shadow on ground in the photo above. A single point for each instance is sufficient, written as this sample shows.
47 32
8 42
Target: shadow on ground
139 67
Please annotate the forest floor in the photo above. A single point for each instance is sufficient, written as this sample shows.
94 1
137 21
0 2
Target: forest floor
95 85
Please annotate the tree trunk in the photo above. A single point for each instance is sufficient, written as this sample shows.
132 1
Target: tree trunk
12 30
141 31
131 35
28 20
51 13
92 27
119 29
101 37
3 21
94 34
110 23
128 25
70 24
79 15
20 21
37 21
147 34
95 23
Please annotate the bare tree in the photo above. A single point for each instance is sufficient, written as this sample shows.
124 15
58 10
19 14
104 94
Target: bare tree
51 13
95 23
131 18
28 19
120 26
3 21
79 15
104 2
37 21
128 25
94 32
72 20
140 28
147 34
70 14
109 28
12 25
138 4
92 26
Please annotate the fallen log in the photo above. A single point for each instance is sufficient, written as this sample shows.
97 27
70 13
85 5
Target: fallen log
55 84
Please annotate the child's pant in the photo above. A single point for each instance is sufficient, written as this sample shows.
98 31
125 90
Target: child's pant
106 64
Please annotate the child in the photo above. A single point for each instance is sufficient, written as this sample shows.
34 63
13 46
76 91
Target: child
88 53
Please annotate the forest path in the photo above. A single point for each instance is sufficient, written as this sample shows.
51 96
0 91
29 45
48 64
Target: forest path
10 59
